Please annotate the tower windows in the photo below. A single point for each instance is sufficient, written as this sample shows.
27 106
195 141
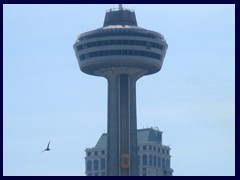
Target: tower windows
120 52
146 44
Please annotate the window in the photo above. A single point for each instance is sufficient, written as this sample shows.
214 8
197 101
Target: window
144 174
168 163
163 151
139 160
96 165
144 169
95 174
167 152
163 163
150 160
158 149
155 161
118 42
154 148
131 42
102 161
118 52
102 152
144 147
103 173
159 162
144 159
150 147
89 165
89 174
95 153
89 153
125 42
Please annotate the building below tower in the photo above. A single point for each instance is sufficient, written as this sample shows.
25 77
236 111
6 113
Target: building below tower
153 157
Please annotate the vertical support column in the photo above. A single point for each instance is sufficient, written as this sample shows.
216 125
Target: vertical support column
124 118
113 127
133 129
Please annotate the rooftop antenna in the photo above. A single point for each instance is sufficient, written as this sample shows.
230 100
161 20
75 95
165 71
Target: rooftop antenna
120 7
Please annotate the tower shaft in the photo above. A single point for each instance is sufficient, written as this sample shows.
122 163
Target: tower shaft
122 122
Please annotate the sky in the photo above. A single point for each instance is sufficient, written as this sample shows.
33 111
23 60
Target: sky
47 98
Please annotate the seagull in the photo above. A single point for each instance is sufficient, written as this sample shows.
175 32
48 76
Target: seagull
47 147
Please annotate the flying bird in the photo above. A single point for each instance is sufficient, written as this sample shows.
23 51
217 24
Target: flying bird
47 147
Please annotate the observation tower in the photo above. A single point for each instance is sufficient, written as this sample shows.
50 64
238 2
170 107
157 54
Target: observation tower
121 52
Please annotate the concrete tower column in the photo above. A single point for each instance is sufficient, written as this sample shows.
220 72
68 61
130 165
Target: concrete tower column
122 121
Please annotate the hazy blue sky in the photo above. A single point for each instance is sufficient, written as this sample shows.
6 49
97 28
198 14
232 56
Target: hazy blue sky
46 96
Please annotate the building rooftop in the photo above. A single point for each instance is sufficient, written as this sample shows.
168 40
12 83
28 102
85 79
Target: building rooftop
143 135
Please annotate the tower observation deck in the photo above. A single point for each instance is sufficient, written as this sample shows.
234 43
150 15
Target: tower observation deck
121 52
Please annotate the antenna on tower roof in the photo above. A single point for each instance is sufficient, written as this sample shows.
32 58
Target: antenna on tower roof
120 7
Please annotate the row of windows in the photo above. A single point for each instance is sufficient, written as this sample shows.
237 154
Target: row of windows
96 174
120 52
146 160
96 165
155 149
148 45
96 153
120 32
154 161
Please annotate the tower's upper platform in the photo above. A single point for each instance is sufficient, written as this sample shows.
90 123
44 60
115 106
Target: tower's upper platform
120 43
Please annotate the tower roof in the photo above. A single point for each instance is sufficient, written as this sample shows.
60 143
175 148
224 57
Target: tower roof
120 16
143 135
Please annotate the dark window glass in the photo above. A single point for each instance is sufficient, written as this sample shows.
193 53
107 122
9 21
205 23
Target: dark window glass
95 153
124 52
155 161
118 52
159 162
168 163
103 173
125 42
144 159
144 169
144 147
163 163
138 160
113 52
89 153
96 165
150 147
150 160
102 161
102 152
89 165
112 42
154 148
118 42
131 42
